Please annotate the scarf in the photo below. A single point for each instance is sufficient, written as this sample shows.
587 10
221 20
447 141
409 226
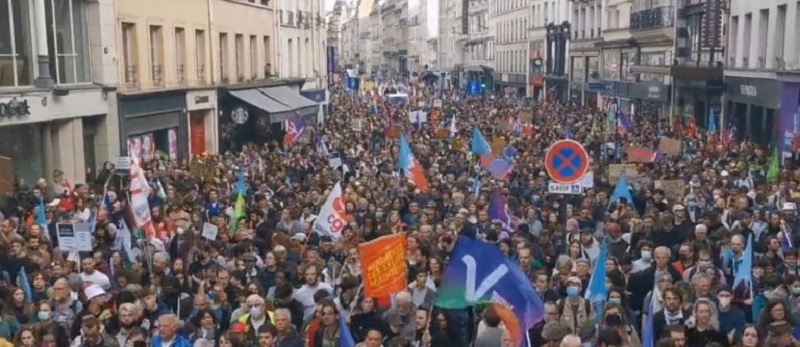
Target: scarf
673 318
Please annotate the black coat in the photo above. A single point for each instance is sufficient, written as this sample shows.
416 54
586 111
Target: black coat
643 282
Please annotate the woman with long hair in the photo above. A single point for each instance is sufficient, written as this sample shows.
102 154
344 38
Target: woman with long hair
19 306
704 325
26 338
774 314
750 337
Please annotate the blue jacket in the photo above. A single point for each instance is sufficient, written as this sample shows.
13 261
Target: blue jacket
180 341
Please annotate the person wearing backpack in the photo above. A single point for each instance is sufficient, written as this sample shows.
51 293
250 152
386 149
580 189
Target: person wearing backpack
574 311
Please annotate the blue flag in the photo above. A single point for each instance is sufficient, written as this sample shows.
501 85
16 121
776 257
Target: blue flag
41 216
649 330
596 293
494 279
744 274
479 144
622 190
345 337
26 286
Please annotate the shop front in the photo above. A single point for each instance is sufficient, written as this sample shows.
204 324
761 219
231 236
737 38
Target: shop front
320 97
510 85
202 108
650 99
789 128
42 132
752 105
154 125
257 113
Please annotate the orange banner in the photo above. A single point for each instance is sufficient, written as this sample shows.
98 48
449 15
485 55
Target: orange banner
383 263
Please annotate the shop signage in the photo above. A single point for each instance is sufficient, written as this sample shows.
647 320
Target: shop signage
749 90
201 99
239 115
654 92
14 108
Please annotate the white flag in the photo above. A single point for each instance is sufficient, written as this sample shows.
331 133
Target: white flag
332 217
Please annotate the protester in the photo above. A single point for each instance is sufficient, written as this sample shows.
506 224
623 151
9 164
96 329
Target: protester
690 244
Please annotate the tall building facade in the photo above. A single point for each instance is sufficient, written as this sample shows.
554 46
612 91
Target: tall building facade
762 71
57 87
510 18
450 40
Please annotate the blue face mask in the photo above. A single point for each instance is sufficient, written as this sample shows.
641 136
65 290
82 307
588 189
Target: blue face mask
43 315
572 291
615 301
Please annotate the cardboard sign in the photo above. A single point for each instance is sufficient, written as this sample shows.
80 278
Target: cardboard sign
437 103
640 155
210 231
6 175
673 189
615 171
498 144
670 146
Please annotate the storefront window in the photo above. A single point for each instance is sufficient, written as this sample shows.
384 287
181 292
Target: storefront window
653 58
23 144
16 53
66 40
611 64
577 69
594 67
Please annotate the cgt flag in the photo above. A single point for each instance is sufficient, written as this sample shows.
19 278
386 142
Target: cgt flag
495 279
383 261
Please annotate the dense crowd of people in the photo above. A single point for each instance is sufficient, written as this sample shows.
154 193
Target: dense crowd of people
267 279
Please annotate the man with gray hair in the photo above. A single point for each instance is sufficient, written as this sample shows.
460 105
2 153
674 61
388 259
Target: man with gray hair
570 341
168 332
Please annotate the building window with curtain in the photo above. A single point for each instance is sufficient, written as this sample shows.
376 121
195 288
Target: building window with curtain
16 48
66 41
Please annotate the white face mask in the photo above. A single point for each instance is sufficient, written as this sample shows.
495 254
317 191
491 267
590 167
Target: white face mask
724 302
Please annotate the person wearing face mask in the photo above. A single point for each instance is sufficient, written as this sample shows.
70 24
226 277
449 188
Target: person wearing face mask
257 315
574 311
615 319
731 318
646 260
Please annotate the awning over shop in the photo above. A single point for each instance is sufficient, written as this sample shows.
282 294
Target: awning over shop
296 102
278 111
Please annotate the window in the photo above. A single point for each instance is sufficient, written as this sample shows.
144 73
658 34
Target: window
780 29
200 54
16 49
239 42
611 61
253 56
307 49
734 37
180 55
223 58
66 41
265 2
130 54
290 49
156 55
748 33
267 56
763 27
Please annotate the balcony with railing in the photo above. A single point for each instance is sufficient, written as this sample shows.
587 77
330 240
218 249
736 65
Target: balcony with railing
131 76
158 76
201 74
180 74
653 19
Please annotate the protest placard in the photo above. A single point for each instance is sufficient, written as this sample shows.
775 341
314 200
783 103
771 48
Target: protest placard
673 189
615 170
66 237
640 155
384 263
210 231
669 146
